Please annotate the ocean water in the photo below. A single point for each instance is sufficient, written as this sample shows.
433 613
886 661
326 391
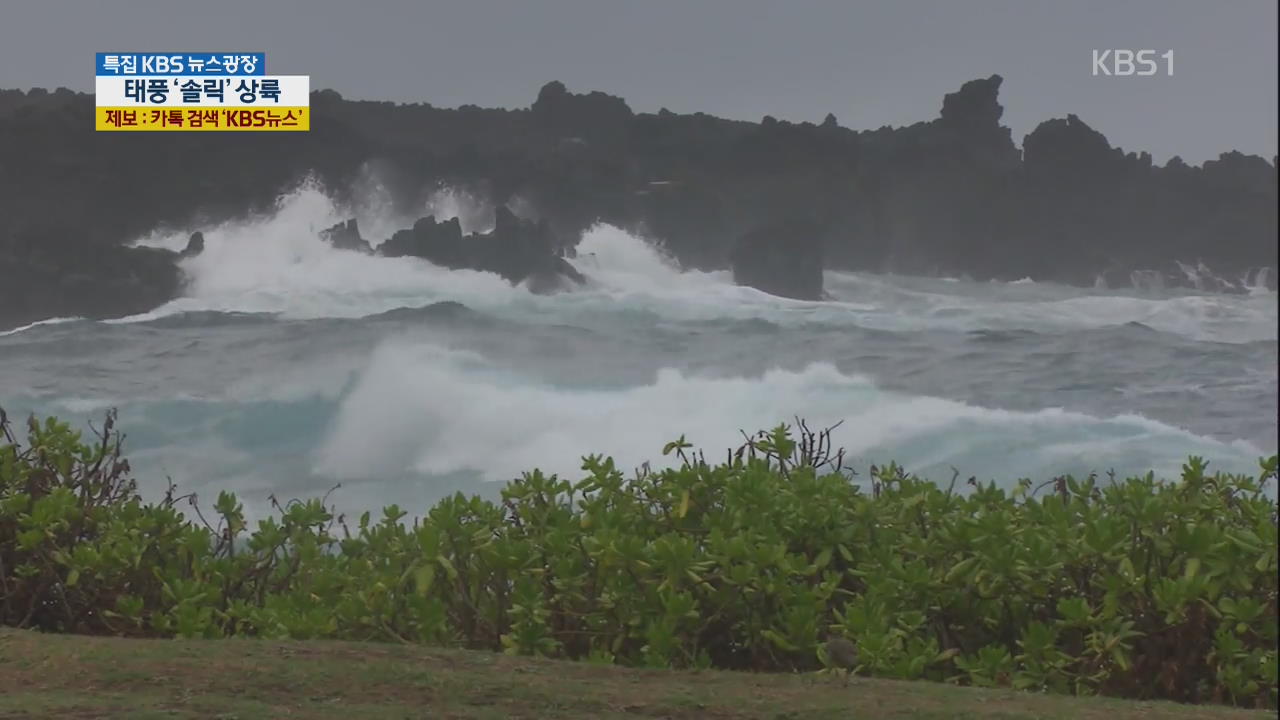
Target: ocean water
290 367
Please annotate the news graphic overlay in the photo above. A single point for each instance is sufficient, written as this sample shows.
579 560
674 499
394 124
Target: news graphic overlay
197 92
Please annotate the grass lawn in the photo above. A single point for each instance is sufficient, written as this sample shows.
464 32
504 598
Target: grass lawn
65 676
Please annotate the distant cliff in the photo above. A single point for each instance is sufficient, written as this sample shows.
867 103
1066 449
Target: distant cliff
953 195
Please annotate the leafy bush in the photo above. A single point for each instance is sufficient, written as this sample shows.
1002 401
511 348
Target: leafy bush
1132 587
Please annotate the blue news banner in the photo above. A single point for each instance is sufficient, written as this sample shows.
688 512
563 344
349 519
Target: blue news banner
228 63
193 91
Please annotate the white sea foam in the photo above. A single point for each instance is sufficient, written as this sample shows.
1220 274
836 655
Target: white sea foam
278 264
433 411
922 303
407 417
39 323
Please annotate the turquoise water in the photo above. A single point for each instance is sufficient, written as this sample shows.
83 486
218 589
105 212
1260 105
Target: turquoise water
290 367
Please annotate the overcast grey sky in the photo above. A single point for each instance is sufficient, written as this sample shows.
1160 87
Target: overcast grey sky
871 62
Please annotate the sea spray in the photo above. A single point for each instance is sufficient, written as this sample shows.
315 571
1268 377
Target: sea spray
437 411
289 366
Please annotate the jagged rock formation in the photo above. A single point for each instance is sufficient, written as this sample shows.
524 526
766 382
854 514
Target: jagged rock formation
346 236
952 195
51 272
518 250
195 245
440 243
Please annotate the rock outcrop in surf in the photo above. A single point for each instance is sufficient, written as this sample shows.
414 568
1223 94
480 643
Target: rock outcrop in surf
517 250
953 195
195 245
346 236
51 272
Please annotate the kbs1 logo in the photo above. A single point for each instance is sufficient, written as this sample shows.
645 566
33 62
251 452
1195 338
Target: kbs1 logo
1127 63
199 92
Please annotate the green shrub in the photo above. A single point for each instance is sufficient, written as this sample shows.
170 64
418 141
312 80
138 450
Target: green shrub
1132 587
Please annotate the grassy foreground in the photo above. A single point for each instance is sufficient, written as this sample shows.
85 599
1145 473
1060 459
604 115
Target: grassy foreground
67 676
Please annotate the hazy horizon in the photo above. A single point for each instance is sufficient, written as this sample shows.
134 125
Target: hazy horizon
870 63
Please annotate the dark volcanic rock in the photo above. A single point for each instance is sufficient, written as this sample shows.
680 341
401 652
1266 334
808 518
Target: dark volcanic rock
1084 208
195 245
952 194
53 275
438 243
974 106
1068 149
556 275
516 249
521 249
781 258
585 117
346 236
